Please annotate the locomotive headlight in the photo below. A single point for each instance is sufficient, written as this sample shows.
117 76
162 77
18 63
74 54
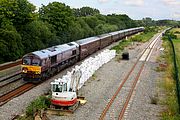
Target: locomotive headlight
24 70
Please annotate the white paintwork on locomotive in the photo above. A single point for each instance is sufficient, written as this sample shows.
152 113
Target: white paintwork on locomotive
55 50
41 54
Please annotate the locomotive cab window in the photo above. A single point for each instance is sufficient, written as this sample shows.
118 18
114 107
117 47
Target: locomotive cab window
26 61
74 52
36 62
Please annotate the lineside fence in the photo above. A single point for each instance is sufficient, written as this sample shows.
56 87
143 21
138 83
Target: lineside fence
176 71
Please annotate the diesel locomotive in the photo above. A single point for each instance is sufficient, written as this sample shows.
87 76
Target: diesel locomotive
39 65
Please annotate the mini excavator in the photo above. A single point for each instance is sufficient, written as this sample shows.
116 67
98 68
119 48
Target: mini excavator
65 94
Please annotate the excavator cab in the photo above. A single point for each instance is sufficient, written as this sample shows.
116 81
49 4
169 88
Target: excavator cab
61 96
59 87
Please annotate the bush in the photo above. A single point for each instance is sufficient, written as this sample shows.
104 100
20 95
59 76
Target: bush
41 103
137 38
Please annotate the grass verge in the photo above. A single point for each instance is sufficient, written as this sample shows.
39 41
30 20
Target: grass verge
169 86
142 37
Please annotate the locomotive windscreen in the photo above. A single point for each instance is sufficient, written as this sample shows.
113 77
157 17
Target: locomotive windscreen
26 61
31 61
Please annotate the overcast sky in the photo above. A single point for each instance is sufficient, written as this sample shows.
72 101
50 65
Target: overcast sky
135 9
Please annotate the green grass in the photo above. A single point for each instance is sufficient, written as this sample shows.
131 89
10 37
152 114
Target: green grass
168 83
143 37
177 49
176 31
122 44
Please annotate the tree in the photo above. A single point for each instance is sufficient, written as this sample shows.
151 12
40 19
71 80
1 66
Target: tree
148 21
57 14
19 12
87 30
11 47
105 28
93 21
85 11
37 35
122 21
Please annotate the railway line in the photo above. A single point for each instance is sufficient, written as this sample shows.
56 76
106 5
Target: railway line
9 65
116 107
10 79
14 93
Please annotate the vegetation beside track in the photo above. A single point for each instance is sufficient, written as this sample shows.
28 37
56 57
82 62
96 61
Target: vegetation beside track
168 82
34 107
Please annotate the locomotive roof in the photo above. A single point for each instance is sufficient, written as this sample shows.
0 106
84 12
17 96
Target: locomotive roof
87 40
55 50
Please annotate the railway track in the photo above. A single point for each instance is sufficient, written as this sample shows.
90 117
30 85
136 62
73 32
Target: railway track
16 92
116 107
10 79
9 65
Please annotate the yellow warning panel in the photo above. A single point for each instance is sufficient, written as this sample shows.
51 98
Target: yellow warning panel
26 68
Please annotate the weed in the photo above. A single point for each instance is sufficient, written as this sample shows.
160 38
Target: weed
41 103
94 77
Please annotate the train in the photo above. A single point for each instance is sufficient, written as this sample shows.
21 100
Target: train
42 64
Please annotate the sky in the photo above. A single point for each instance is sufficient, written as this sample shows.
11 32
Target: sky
135 9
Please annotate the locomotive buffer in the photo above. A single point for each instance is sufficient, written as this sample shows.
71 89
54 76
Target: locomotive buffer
65 99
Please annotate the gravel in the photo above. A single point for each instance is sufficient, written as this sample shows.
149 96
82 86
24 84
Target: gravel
98 90
147 92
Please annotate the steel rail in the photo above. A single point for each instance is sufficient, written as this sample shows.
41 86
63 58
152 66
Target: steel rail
3 85
124 81
9 65
9 77
14 93
135 82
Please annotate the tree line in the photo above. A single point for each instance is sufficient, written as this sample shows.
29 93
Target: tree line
23 29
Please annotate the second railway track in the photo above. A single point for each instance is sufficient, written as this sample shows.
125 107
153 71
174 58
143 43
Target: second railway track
18 91
116 107
10 79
